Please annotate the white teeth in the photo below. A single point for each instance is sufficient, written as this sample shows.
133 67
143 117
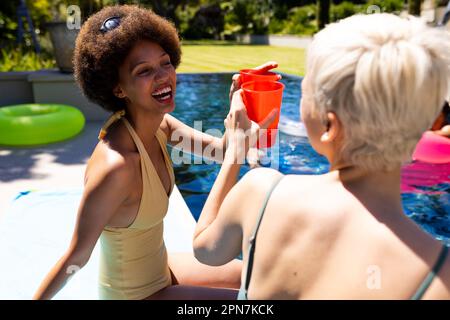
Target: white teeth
162 91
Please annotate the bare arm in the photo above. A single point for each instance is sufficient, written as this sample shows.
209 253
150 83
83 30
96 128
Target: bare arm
103 194
218 235
196 142
444 131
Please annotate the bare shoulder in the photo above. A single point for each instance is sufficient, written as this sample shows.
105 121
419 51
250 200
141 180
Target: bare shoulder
313 191
263 176
111 164
259 177
304 182
261 180
309 201
303 198
109 181
249 193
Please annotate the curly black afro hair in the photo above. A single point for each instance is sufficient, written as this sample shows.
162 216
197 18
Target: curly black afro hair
98 54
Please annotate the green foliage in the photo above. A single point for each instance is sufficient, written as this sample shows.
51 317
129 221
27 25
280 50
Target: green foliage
207 23
346 9
7 28
301 21
185 14
249 16
394 6
343 10
197 19
18 59
39 11
277 26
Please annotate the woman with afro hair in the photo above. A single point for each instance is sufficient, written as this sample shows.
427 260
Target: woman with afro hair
125 60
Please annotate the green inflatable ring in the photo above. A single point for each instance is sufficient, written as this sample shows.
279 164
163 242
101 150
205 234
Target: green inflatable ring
34 124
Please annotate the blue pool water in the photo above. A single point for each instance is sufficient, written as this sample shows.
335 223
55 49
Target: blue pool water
426 188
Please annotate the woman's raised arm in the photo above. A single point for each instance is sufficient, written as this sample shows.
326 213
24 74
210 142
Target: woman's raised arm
201 144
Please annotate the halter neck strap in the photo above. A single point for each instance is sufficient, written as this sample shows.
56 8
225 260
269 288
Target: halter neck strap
113 118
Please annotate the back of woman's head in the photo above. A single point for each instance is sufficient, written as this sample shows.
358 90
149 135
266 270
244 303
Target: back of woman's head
386 78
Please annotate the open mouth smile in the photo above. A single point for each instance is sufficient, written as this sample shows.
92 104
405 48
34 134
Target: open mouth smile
163 94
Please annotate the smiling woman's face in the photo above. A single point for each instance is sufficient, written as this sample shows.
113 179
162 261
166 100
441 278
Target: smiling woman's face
147 78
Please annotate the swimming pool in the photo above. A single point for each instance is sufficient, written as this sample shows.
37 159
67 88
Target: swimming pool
425 187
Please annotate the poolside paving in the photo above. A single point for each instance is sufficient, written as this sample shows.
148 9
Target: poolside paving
55 166
36 229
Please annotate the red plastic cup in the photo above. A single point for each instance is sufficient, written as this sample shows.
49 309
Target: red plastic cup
248 75
260 98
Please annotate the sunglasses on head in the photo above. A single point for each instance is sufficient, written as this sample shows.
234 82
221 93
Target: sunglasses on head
110 24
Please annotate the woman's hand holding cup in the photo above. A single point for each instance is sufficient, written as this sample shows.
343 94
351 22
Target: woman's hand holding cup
242 133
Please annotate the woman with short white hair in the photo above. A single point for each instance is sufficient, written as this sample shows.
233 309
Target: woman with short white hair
374 84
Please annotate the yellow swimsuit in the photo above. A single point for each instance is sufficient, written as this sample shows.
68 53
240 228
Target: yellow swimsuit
133 260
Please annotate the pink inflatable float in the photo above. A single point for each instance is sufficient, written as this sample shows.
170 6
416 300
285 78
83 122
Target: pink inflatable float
432 148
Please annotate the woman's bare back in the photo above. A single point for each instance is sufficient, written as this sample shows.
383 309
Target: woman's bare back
318 241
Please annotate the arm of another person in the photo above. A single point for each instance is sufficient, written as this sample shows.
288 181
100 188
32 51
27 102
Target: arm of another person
194 141
444 131
441 125
218 235
202 144
103 194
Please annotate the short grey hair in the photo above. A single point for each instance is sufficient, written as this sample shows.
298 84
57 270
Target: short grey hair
386 78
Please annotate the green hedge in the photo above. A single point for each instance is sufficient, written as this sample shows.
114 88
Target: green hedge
20 59
302 20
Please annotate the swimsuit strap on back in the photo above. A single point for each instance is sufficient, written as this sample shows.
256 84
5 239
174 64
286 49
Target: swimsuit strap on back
251 249
429 278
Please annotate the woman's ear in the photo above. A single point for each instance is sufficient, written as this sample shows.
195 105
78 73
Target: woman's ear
333 128
117 91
